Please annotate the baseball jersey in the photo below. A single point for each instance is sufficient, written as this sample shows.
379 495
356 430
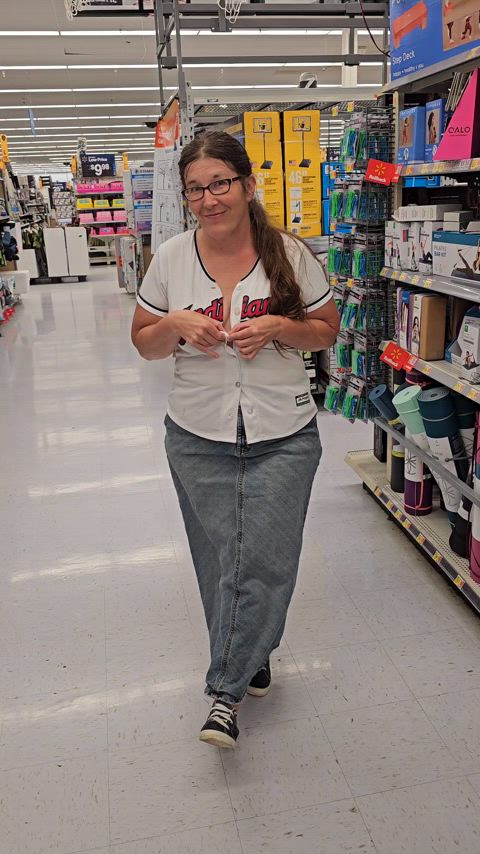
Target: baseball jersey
273 389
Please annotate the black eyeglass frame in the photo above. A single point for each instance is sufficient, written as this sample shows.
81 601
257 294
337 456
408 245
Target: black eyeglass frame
228 181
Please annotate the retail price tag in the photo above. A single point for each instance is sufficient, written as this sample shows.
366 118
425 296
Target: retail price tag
335 110
384 271
458 387
463 165
472 394
350 283
415 280
459 582
389 505
437 557
350 106
409 170
475 163
395 274
333 281
407 524
350 167
427 283
378 492
427 369
420 539
403 277
398 514
426 168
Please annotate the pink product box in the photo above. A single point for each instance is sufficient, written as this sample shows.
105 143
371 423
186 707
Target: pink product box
104 216
123 230
86 188
85 218
119 216
105 230
116 187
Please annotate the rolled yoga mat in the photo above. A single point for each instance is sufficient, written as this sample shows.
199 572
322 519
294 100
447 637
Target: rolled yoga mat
475 541
445 442
381 398
466 415
418 479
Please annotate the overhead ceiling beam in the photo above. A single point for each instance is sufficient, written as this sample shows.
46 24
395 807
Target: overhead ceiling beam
315 60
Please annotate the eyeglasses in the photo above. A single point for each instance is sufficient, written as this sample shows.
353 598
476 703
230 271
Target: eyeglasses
216 188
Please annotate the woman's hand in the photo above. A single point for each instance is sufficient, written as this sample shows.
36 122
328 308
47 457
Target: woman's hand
252 335
199 331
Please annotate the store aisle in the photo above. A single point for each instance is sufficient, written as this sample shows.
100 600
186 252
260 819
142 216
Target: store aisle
367 740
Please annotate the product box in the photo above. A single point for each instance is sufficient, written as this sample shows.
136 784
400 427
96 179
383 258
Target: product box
426 325
326 216
465 351
403 311
403 245
414 245
425 256
457 254
457 220
422 213
434 127
411 135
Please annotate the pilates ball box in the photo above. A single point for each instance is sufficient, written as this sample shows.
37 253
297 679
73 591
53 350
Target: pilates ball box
465 352
457 254
425 253
434 125
411 135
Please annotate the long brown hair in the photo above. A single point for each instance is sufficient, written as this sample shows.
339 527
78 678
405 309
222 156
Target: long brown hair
285 293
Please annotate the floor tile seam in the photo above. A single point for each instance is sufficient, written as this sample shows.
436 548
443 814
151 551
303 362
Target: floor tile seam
449 777
116 843
454 693
313 805
109 810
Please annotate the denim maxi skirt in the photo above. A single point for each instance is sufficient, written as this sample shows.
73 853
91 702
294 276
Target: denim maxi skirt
244 509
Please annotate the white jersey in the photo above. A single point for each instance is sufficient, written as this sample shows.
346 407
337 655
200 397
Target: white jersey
273 389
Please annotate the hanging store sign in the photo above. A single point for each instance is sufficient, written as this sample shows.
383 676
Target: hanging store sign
431 31
97 165
4 148
382 173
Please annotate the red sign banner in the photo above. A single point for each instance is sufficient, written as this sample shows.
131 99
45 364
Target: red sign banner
382 173
397 357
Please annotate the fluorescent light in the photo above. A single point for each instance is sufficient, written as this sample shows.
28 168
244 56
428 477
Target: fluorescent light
88 33
79 106
9 33
74 127
149 66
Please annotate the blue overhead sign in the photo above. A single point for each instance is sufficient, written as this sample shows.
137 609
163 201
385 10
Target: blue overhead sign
426 32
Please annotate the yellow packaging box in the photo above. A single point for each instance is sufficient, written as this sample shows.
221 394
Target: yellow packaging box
303 178
263 144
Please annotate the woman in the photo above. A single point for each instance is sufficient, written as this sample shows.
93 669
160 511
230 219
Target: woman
234 301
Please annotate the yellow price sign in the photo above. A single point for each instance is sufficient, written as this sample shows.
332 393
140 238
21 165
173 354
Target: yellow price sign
350 167
395 274
384 271
427 283
475 163
389 505
458 387
472 394
350 283
420 539
398 514
378 492
415 280
409 170
459 581
407 524
427 369
403 277
335 110
426 168
350 106
437 557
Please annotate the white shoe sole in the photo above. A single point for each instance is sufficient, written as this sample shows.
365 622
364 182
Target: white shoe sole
258 692
217 739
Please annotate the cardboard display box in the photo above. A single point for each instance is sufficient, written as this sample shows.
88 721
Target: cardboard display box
411 135
457 254
426 325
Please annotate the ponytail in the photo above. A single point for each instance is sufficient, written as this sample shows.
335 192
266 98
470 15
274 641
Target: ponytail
285 293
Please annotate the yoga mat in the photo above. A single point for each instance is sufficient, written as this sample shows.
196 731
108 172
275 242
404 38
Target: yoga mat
441 426
466 414
417 500
475 541
381 398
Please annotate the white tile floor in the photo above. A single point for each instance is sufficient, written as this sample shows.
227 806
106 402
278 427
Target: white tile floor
370 738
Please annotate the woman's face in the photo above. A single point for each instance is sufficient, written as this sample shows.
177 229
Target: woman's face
219 216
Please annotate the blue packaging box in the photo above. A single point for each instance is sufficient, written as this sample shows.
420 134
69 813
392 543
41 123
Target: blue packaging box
411 135
434 127
326 216
417 181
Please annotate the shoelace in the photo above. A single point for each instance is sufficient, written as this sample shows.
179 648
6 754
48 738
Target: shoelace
221 715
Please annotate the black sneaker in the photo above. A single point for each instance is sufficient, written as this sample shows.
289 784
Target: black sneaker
220 728
260 684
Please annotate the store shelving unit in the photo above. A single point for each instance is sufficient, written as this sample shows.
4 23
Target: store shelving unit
101 247
429 533
441 167
439 284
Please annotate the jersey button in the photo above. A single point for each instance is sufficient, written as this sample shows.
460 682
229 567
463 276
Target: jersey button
238 385
250 410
